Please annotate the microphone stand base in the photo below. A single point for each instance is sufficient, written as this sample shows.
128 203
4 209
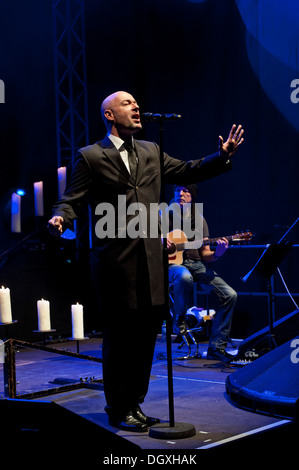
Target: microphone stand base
178 431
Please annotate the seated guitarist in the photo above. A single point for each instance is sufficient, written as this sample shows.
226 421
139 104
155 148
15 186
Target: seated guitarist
196 268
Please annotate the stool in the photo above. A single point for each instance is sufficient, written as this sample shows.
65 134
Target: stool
197 290
195 322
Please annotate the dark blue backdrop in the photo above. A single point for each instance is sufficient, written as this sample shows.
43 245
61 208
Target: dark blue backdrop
214 62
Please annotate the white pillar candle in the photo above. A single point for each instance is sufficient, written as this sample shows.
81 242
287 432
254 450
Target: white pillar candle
39 198
15 213
43 315
5 306
77 321
61 173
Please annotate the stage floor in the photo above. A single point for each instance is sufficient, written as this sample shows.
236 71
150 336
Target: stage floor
199 397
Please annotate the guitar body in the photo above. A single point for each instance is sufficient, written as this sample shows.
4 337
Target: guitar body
180 243
176 237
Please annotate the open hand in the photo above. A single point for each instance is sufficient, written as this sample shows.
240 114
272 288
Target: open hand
228 149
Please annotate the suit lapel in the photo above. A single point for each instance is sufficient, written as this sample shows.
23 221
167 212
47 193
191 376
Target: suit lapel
114 156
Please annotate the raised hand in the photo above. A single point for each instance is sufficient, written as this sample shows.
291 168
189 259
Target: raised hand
228 149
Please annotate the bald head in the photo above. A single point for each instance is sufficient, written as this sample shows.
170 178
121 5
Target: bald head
120 113
108 102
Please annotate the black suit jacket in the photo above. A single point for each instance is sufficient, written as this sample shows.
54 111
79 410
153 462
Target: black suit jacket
99 175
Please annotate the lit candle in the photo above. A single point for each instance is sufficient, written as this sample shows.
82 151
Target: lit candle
5 306
39 198
77 321
15 213
61 173
43 314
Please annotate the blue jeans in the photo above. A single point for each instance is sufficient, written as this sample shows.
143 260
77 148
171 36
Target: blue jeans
182 278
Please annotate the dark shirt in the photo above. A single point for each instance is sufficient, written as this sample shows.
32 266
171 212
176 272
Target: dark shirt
201 232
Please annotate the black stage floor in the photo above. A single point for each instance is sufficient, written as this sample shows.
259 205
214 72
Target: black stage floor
77 415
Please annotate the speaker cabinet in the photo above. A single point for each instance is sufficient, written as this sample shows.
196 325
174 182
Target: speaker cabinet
45 430
270 384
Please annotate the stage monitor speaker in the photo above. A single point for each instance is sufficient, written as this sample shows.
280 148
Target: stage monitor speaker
270 384
60 433
258 344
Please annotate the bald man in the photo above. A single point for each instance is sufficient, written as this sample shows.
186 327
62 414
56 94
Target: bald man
128 270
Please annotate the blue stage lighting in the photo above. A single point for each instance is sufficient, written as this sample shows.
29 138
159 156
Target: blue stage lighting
68 235
21 192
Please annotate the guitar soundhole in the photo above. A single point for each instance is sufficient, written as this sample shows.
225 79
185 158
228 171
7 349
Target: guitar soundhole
171 249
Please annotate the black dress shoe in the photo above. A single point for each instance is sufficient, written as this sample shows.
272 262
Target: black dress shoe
219 355
148 420
128 423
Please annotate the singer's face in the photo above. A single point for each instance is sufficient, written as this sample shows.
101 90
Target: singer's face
123 111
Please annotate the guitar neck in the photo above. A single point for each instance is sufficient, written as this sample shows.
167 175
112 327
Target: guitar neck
229 238
210 241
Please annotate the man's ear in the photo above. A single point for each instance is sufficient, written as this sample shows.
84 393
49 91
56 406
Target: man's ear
109 115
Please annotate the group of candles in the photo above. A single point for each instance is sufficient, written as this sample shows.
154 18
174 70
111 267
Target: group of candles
43 314
43 306
38 200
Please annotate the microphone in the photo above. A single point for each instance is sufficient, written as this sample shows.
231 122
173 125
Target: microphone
148 117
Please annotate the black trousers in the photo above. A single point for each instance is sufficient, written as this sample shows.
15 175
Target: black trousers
128 349
129 334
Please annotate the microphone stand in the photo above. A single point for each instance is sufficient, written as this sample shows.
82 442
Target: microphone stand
172 429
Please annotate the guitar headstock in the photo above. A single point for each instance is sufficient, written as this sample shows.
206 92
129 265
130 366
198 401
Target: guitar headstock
243 237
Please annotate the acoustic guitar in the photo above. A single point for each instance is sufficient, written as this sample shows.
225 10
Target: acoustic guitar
180 243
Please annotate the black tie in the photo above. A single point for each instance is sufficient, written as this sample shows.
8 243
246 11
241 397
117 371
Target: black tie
133 160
